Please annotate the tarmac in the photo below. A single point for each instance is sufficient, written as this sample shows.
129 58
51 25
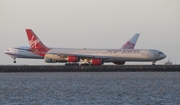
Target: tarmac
104 68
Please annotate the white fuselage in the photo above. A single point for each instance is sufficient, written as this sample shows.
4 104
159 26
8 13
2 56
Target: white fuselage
22 52
109 55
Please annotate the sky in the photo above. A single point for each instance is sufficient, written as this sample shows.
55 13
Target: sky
91 24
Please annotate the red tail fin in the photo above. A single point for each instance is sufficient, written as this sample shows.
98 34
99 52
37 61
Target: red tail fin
36 45
34 41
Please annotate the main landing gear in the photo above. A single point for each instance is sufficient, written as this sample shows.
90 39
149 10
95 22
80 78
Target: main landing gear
86 64
77 64
71 64
153 63
14 60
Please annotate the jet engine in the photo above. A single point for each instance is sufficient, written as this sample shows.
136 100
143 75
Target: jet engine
119 62
48 60
73 59
97 61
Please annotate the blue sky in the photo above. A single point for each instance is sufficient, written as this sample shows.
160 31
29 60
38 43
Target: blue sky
91 24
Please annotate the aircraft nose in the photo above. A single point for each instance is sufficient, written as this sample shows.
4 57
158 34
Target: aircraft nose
5 52
163 56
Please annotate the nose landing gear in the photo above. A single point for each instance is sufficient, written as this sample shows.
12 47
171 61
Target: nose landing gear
14 60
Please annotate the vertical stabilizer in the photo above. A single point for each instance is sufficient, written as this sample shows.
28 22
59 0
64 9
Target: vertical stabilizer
130 44
35 43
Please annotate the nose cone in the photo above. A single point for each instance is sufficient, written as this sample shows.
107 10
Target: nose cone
162 56
5 52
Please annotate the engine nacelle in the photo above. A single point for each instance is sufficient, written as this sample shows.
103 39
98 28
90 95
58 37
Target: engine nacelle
119 62
48 60
73 59
96 61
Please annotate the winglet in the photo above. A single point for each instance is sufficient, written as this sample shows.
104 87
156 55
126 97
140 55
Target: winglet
130 44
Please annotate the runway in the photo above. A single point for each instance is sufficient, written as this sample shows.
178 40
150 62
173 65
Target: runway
104 68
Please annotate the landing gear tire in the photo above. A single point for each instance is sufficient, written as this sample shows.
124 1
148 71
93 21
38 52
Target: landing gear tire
71 64
14 60
153 63
85 64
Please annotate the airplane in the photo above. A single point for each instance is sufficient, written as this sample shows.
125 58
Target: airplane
95 57
26 53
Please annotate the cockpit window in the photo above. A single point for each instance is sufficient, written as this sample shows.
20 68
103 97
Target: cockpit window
160 53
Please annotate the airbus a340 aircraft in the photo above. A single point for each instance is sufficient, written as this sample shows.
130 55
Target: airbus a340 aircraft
26 51
91 56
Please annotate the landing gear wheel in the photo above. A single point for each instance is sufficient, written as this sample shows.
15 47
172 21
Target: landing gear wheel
14 60
85 64
153 63
71 64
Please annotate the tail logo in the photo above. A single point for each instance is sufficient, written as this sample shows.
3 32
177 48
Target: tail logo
128 45
33 42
